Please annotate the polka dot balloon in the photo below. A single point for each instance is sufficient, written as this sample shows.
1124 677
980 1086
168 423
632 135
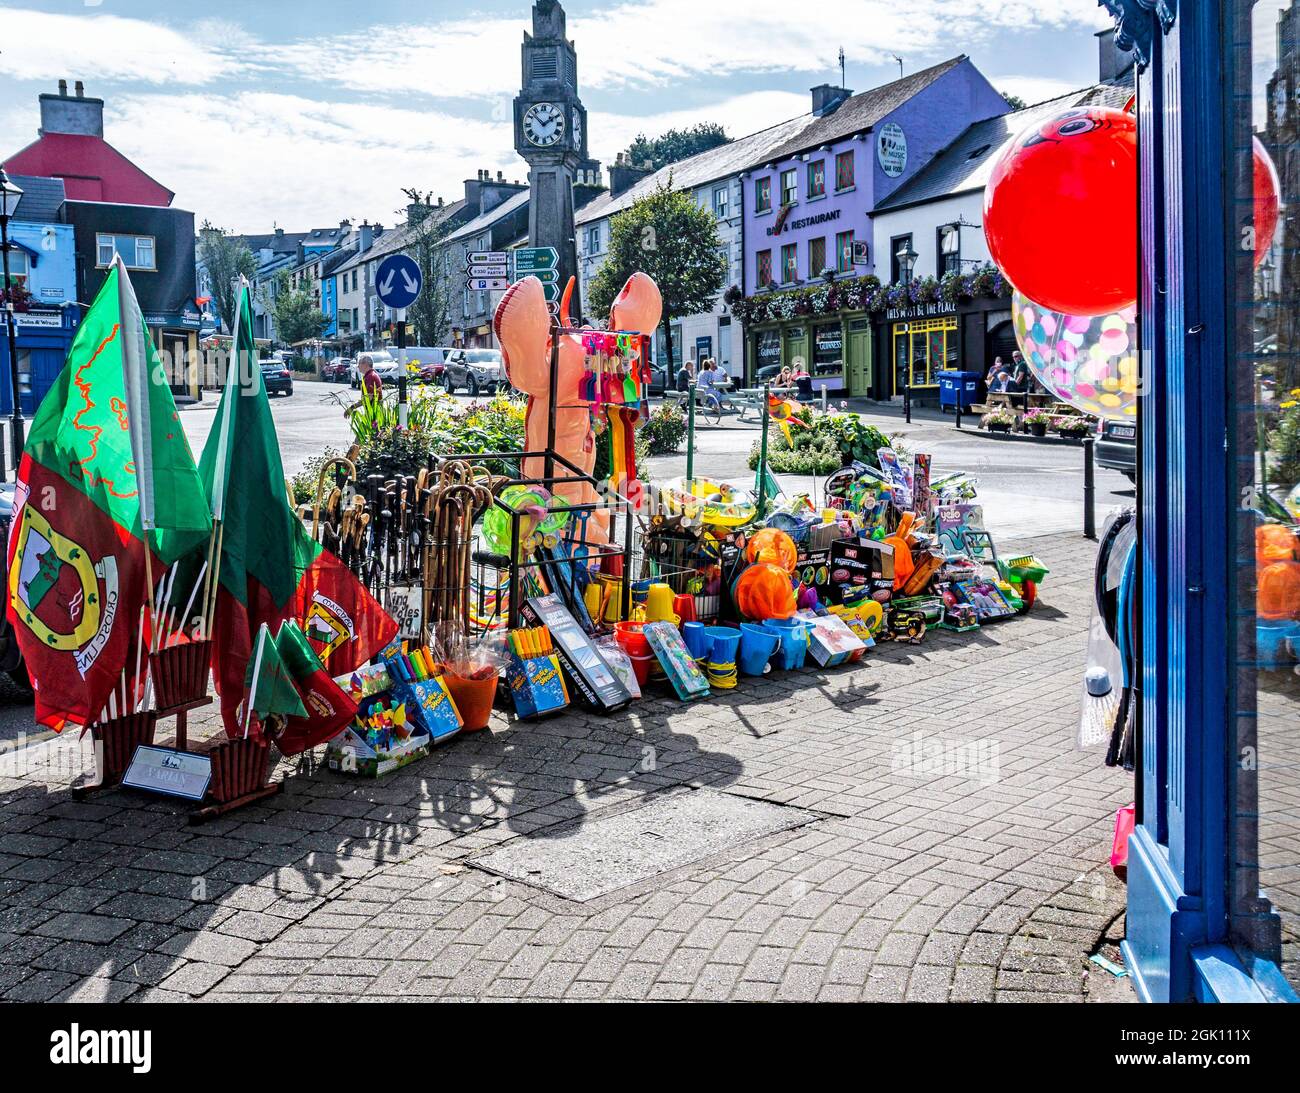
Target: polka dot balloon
1089 362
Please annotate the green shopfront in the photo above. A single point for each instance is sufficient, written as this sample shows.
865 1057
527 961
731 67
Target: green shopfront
836 350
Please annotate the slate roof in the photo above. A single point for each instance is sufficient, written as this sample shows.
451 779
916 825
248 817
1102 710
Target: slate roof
392 241
966 163
697 170
41 198
863 110
487 219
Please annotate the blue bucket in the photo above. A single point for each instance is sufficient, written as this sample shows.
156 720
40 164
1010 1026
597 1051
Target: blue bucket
794 641
725 639
757 645
697 639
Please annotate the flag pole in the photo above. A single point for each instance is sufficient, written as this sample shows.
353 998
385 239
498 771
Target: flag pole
257 671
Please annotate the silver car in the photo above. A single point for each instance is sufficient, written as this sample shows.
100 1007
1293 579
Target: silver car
476 370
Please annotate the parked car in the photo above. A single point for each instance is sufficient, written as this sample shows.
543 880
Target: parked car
424 363
658 380
385 363
1117 447
339 370
476 370
277 377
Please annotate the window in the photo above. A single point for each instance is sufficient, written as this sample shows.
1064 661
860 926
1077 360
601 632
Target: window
137 251
763 195
816 256
922 349
844 252
721 197
790 262
949 249
764 268
789 186
844 171
19 263
817 179
593 239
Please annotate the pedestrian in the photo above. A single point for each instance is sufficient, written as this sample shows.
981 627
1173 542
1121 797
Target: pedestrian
371 382
686 375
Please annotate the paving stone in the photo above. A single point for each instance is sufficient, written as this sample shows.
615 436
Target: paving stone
195 978
78 927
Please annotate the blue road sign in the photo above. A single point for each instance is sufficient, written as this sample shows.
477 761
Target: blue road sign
397 281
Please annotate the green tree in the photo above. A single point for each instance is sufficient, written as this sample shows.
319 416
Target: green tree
676 144
671 238
430 315
226 259
1014 101
295 313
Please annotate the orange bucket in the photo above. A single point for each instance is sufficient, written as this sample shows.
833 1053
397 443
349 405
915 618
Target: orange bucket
473 698
632 640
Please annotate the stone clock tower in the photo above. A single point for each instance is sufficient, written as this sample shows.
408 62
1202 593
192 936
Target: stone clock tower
551 134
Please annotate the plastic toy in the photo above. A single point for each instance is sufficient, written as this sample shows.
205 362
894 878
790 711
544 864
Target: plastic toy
774 546
764 591
523 327
1060 211
1277 594
1090 363
703 503
1266 192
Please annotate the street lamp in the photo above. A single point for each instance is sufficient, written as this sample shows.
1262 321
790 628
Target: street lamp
906 260
10 195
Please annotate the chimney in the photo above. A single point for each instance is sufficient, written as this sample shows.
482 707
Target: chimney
493 191
623 175
279 232
1112 62
74 114
365 237
473 188
344 224
826 99
416 211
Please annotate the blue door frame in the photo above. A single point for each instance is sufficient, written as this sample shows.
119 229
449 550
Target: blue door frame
1178 943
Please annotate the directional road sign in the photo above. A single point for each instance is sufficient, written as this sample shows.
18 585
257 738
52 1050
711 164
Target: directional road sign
480 257
535 260
487 284
397 281
489 269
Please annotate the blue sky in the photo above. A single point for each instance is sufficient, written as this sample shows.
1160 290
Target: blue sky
261 113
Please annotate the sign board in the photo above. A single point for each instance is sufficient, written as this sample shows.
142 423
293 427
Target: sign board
891 149
53 319
480 257
174 773
534 260
487 284
404 603
489 269
397 281
861 252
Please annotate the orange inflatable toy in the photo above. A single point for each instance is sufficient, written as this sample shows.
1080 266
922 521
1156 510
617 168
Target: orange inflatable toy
1277 593
1275 543
523 327
774 546
901 542
764 591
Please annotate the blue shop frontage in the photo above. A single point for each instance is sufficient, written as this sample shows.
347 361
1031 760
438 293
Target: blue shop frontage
1214 861
43 336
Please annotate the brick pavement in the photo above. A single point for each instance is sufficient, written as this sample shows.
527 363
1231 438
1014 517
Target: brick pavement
982 879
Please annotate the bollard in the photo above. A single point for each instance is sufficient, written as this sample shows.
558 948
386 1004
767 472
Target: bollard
823 400
907 403
957 408
1089 491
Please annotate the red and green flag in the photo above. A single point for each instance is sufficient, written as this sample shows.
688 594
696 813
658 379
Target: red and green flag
271 569
268 684
106 474
327 706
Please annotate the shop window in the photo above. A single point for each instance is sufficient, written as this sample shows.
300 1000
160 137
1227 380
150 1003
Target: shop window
828 350
763 271
949 249
789 186
817 179
844 171
767 349
844 252
896 272
816 256
922 349
790 262
137 251
763 195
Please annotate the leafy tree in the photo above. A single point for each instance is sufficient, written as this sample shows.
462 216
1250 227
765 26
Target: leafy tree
295 313
1014 101
226 260
667 235
430 314
676 144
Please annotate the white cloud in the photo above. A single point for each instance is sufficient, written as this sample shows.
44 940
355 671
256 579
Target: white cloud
40 45
1034 89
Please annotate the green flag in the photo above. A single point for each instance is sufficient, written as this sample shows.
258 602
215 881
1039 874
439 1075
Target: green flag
269 683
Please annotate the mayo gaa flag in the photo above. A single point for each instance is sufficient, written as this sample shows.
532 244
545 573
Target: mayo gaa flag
328 707
106 469
271 569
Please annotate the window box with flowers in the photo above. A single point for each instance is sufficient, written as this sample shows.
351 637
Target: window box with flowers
1073 426
998 421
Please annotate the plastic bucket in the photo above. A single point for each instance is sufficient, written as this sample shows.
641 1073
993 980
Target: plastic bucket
757 646
629 635
641 666
473 698
725 641
794 641
697 640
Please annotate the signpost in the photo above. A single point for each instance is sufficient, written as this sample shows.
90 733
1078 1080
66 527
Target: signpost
542 263
397 284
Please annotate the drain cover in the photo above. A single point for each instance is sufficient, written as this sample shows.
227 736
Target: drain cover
594 857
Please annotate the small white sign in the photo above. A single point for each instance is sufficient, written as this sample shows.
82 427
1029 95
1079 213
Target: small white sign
175 773
891 149
487 284
479 257
489 269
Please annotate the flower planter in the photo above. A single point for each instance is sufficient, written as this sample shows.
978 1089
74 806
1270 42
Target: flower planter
1037 428
999 427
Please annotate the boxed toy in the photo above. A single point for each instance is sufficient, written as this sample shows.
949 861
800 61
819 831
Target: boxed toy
831 640
857 564
533 674
594 682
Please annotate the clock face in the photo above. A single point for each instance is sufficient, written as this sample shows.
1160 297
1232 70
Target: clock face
577 129
544 124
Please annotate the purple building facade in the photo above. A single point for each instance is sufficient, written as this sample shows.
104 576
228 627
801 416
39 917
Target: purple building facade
808 210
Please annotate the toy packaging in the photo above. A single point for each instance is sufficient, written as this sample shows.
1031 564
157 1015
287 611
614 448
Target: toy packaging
858 564
533 674
682 671
953 521
831 641
592 679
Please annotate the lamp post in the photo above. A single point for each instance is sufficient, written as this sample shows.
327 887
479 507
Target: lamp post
10 195
907 257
